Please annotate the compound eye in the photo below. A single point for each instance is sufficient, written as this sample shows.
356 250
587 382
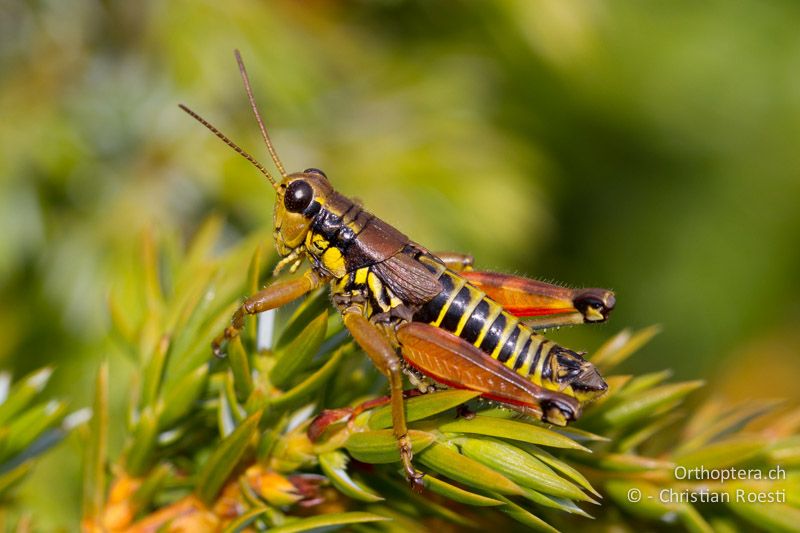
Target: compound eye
315 171
298 196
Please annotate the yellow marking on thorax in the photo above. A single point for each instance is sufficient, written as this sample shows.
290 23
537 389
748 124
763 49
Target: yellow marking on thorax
374 283
458 284
316 243
360 277
394 301
338 285
376 287
333 260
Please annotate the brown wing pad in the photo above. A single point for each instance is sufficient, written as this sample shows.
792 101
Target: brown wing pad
531 298
408 279
455 362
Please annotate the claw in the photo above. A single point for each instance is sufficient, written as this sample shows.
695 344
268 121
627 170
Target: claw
229 333
415 482
463 411
216 347
413 477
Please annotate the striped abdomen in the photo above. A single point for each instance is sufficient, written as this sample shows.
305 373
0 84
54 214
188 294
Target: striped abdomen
468 313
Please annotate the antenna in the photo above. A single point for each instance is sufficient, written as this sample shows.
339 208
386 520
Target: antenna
230 143
264 133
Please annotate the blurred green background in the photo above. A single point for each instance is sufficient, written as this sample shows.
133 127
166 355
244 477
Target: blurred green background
653 148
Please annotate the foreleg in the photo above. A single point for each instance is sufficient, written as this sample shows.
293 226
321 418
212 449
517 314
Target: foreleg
274 296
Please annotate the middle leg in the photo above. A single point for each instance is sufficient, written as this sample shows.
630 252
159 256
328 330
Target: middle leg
456 261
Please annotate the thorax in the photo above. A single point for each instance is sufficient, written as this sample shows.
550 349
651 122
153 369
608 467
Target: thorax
344 238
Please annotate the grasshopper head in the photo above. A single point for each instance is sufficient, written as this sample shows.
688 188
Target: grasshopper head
299 198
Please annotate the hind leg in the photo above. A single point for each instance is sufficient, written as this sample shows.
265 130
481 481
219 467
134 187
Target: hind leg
385 358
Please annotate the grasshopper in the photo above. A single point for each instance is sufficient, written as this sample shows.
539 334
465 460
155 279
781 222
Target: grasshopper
419 312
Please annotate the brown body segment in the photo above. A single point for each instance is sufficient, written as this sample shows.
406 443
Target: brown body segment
374 240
